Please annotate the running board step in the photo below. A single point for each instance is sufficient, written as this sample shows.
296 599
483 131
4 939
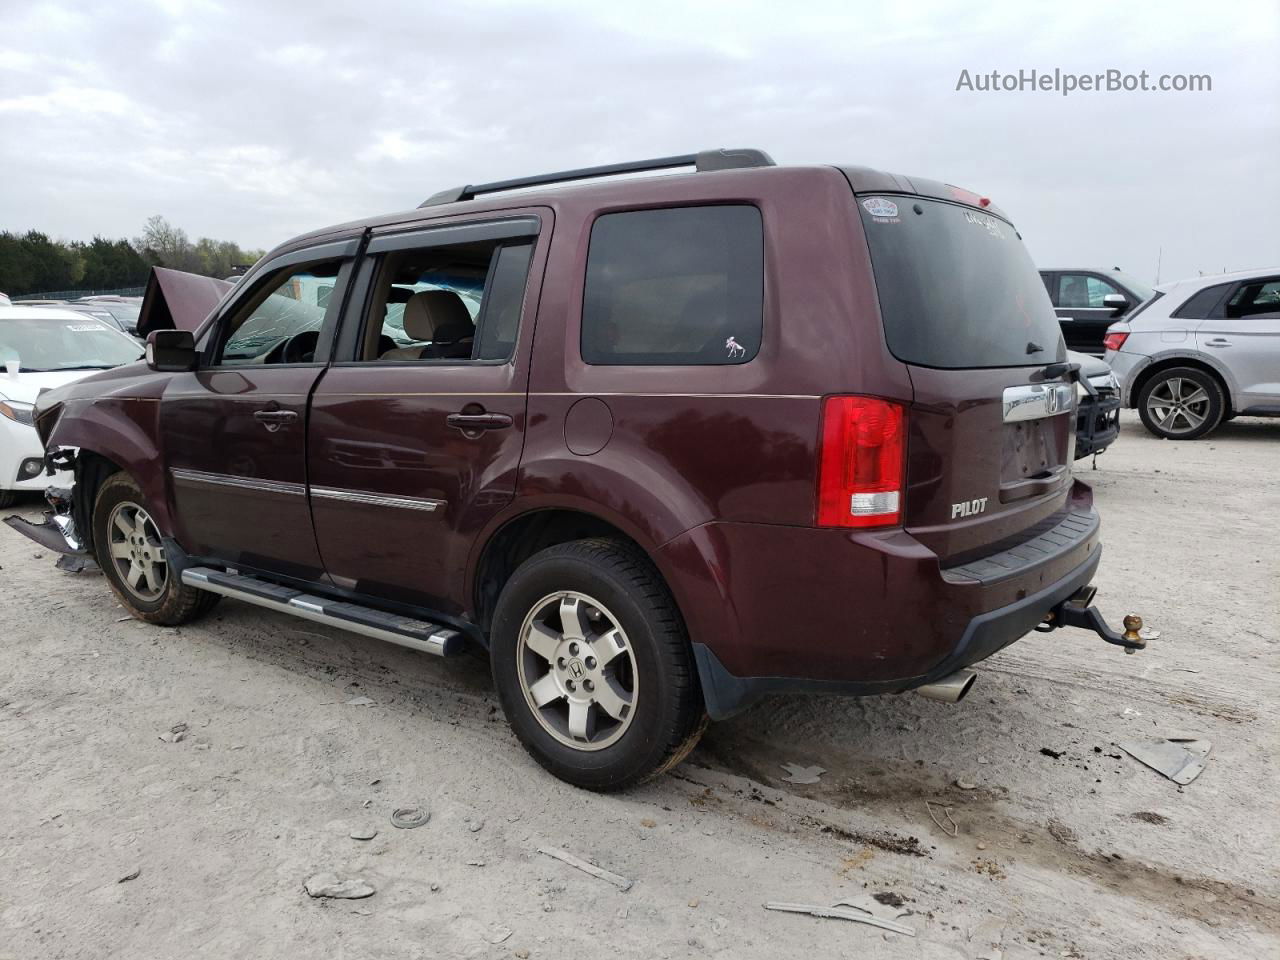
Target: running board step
416 634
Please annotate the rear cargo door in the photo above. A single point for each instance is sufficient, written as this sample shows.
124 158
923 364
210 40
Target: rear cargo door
991 435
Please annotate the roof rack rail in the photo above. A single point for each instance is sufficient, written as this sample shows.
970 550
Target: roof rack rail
702 161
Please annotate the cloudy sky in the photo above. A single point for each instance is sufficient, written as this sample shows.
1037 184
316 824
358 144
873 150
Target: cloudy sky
256 121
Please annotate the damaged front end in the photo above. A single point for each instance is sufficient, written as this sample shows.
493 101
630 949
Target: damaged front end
60 529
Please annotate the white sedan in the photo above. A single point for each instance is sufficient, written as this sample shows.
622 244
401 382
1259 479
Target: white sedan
39 349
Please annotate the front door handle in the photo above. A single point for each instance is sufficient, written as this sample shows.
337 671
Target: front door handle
468 422
273 420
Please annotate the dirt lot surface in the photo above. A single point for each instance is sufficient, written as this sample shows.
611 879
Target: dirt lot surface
1065 846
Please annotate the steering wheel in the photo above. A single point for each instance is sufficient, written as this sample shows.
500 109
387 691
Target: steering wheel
301 347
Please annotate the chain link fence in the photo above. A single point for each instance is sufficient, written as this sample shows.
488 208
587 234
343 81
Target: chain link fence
77 294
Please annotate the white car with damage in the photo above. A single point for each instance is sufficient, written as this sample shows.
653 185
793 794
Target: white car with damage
41 349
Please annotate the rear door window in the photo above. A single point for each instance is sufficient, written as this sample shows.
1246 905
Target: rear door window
683 285
957 287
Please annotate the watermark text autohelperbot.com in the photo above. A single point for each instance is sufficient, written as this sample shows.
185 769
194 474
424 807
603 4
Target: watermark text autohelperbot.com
1066 83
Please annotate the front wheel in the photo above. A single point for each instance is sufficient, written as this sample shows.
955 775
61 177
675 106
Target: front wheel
592 666
1181 403
132 557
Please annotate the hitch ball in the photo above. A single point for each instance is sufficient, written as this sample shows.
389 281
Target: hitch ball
1132 624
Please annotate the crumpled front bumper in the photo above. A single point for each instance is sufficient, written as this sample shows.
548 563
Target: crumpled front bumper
57 532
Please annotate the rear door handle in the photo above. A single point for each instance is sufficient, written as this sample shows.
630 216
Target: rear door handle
475 422
1217 342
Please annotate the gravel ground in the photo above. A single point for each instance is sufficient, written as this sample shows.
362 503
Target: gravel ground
1064 846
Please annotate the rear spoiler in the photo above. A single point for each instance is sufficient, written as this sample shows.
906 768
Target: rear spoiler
865 180
176 300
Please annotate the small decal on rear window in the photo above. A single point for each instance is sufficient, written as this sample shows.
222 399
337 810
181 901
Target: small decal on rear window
880 207
83 327
982 220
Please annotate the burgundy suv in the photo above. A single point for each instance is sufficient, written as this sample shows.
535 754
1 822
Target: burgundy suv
661 445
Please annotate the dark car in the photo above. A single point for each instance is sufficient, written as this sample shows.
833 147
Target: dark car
661 445
1089 300
1097 409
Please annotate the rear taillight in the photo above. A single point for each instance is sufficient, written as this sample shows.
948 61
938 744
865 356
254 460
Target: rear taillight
860 465
1114 341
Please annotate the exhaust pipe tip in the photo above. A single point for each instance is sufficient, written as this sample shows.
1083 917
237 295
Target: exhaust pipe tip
950 689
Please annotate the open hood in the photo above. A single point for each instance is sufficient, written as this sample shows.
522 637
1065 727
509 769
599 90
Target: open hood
179 301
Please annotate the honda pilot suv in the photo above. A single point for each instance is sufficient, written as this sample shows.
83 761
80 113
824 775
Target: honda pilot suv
660 446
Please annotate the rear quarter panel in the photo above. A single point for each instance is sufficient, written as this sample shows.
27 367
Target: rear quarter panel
691 444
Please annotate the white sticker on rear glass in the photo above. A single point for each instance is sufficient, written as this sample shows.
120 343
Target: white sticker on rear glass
880 207
83 327
982 220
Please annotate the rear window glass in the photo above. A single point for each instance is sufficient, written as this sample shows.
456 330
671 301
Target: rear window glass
675 286
957 287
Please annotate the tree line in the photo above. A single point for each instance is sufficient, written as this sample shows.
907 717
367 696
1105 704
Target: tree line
33 262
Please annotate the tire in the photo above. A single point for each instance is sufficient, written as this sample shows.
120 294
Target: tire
1181 403
157 597
644 710
8 498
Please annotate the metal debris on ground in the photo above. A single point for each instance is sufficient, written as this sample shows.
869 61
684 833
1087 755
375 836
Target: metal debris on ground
965 784
364 833
175 734
358 702
407 818
946 812
130 876
1181 759
799 774
842 912
77 563
622 883
331 886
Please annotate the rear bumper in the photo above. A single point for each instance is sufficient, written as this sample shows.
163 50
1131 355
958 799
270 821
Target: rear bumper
803 610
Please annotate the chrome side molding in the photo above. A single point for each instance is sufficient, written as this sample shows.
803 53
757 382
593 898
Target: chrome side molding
244 483
377 499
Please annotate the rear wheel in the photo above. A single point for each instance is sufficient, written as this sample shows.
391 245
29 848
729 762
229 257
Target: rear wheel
132 557
592 666
1181 403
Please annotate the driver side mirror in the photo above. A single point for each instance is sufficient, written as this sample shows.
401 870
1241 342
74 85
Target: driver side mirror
1117 302
171 351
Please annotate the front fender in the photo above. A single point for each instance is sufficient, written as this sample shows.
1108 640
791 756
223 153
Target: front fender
124 430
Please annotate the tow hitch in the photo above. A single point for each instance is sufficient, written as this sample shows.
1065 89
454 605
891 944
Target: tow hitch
1078 611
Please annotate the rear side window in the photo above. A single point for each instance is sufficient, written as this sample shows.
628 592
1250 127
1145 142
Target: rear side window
957 287
683 285
1200 305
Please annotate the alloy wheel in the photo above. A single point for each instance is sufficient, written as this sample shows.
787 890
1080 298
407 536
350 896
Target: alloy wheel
1178 405
577 670
137 552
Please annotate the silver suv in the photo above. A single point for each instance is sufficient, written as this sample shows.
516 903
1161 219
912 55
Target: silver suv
1201 351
